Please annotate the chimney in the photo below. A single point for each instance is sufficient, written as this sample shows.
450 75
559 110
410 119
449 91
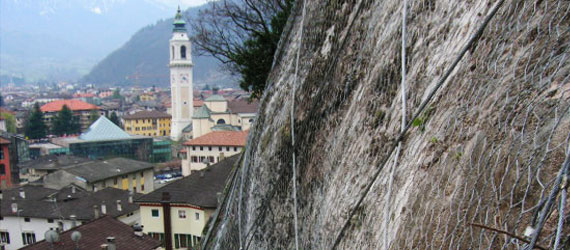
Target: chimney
131 193
111 243
104 247
119 207
72 189
14 207
138 230
22 193
167 221
222 156
73 220
96 211
103 208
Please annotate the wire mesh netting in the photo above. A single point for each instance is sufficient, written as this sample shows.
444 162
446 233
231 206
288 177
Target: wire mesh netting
483 165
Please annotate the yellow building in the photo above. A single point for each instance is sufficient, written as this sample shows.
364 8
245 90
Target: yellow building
148 123
147 97
185 205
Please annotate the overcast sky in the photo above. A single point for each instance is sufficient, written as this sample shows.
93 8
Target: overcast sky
183 3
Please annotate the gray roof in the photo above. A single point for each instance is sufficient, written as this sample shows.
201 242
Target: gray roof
202 112
103 129
187 128
198 189
225 127
216 98
37 203
53 162
100 170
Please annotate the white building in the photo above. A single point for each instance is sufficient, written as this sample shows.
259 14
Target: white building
26 213
212 148
185 205
180 77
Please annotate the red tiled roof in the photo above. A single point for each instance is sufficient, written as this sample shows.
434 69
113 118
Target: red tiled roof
84 95
198 103
72 104
4 141
3 110
95 233
220 138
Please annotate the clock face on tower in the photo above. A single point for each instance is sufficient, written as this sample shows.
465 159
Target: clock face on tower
184 78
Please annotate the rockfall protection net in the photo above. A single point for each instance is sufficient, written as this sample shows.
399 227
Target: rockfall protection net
493 142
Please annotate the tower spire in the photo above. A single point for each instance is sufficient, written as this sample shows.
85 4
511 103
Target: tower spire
179 23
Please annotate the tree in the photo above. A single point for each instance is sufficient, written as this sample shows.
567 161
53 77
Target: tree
65 123
35 127
1 100
115 119
10 122
243 34
93 116
116 94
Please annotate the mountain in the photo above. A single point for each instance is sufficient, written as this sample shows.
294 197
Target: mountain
63 39
143 60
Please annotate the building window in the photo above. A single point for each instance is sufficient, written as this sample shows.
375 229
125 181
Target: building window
221 121
194 159
210 148
142 187
211 159
154 212
228 149
197 215
5 237
183 52
182 214
220 149
1 153
182 240
194 148
201 148
50 220
115 181
142 174
235 149
2 169
158 236
27 219
28 238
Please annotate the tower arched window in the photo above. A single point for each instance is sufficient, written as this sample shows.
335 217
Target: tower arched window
172 52
221 121
183 52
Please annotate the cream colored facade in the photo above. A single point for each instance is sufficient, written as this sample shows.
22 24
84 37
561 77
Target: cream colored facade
148 126
217 113
197 156
185 220
140 182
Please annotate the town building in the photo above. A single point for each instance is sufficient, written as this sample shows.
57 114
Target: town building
181 77
121 173
211 148
104 140
40 149
5 171
100 233
26 213
82 110
33 170
18 150
149 123
178 212
217 114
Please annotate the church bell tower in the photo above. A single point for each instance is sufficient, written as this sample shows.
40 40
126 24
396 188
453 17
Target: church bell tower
180 77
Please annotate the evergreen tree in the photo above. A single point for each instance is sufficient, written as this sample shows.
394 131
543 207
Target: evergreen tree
93 116
65 122
115 119
116 94
10 122
35 127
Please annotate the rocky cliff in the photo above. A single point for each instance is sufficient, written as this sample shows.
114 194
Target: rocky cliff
480 165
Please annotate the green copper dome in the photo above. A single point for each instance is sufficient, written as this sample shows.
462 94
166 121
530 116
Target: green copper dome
179 23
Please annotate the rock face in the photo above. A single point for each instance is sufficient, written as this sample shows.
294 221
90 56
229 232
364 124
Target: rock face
485 150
